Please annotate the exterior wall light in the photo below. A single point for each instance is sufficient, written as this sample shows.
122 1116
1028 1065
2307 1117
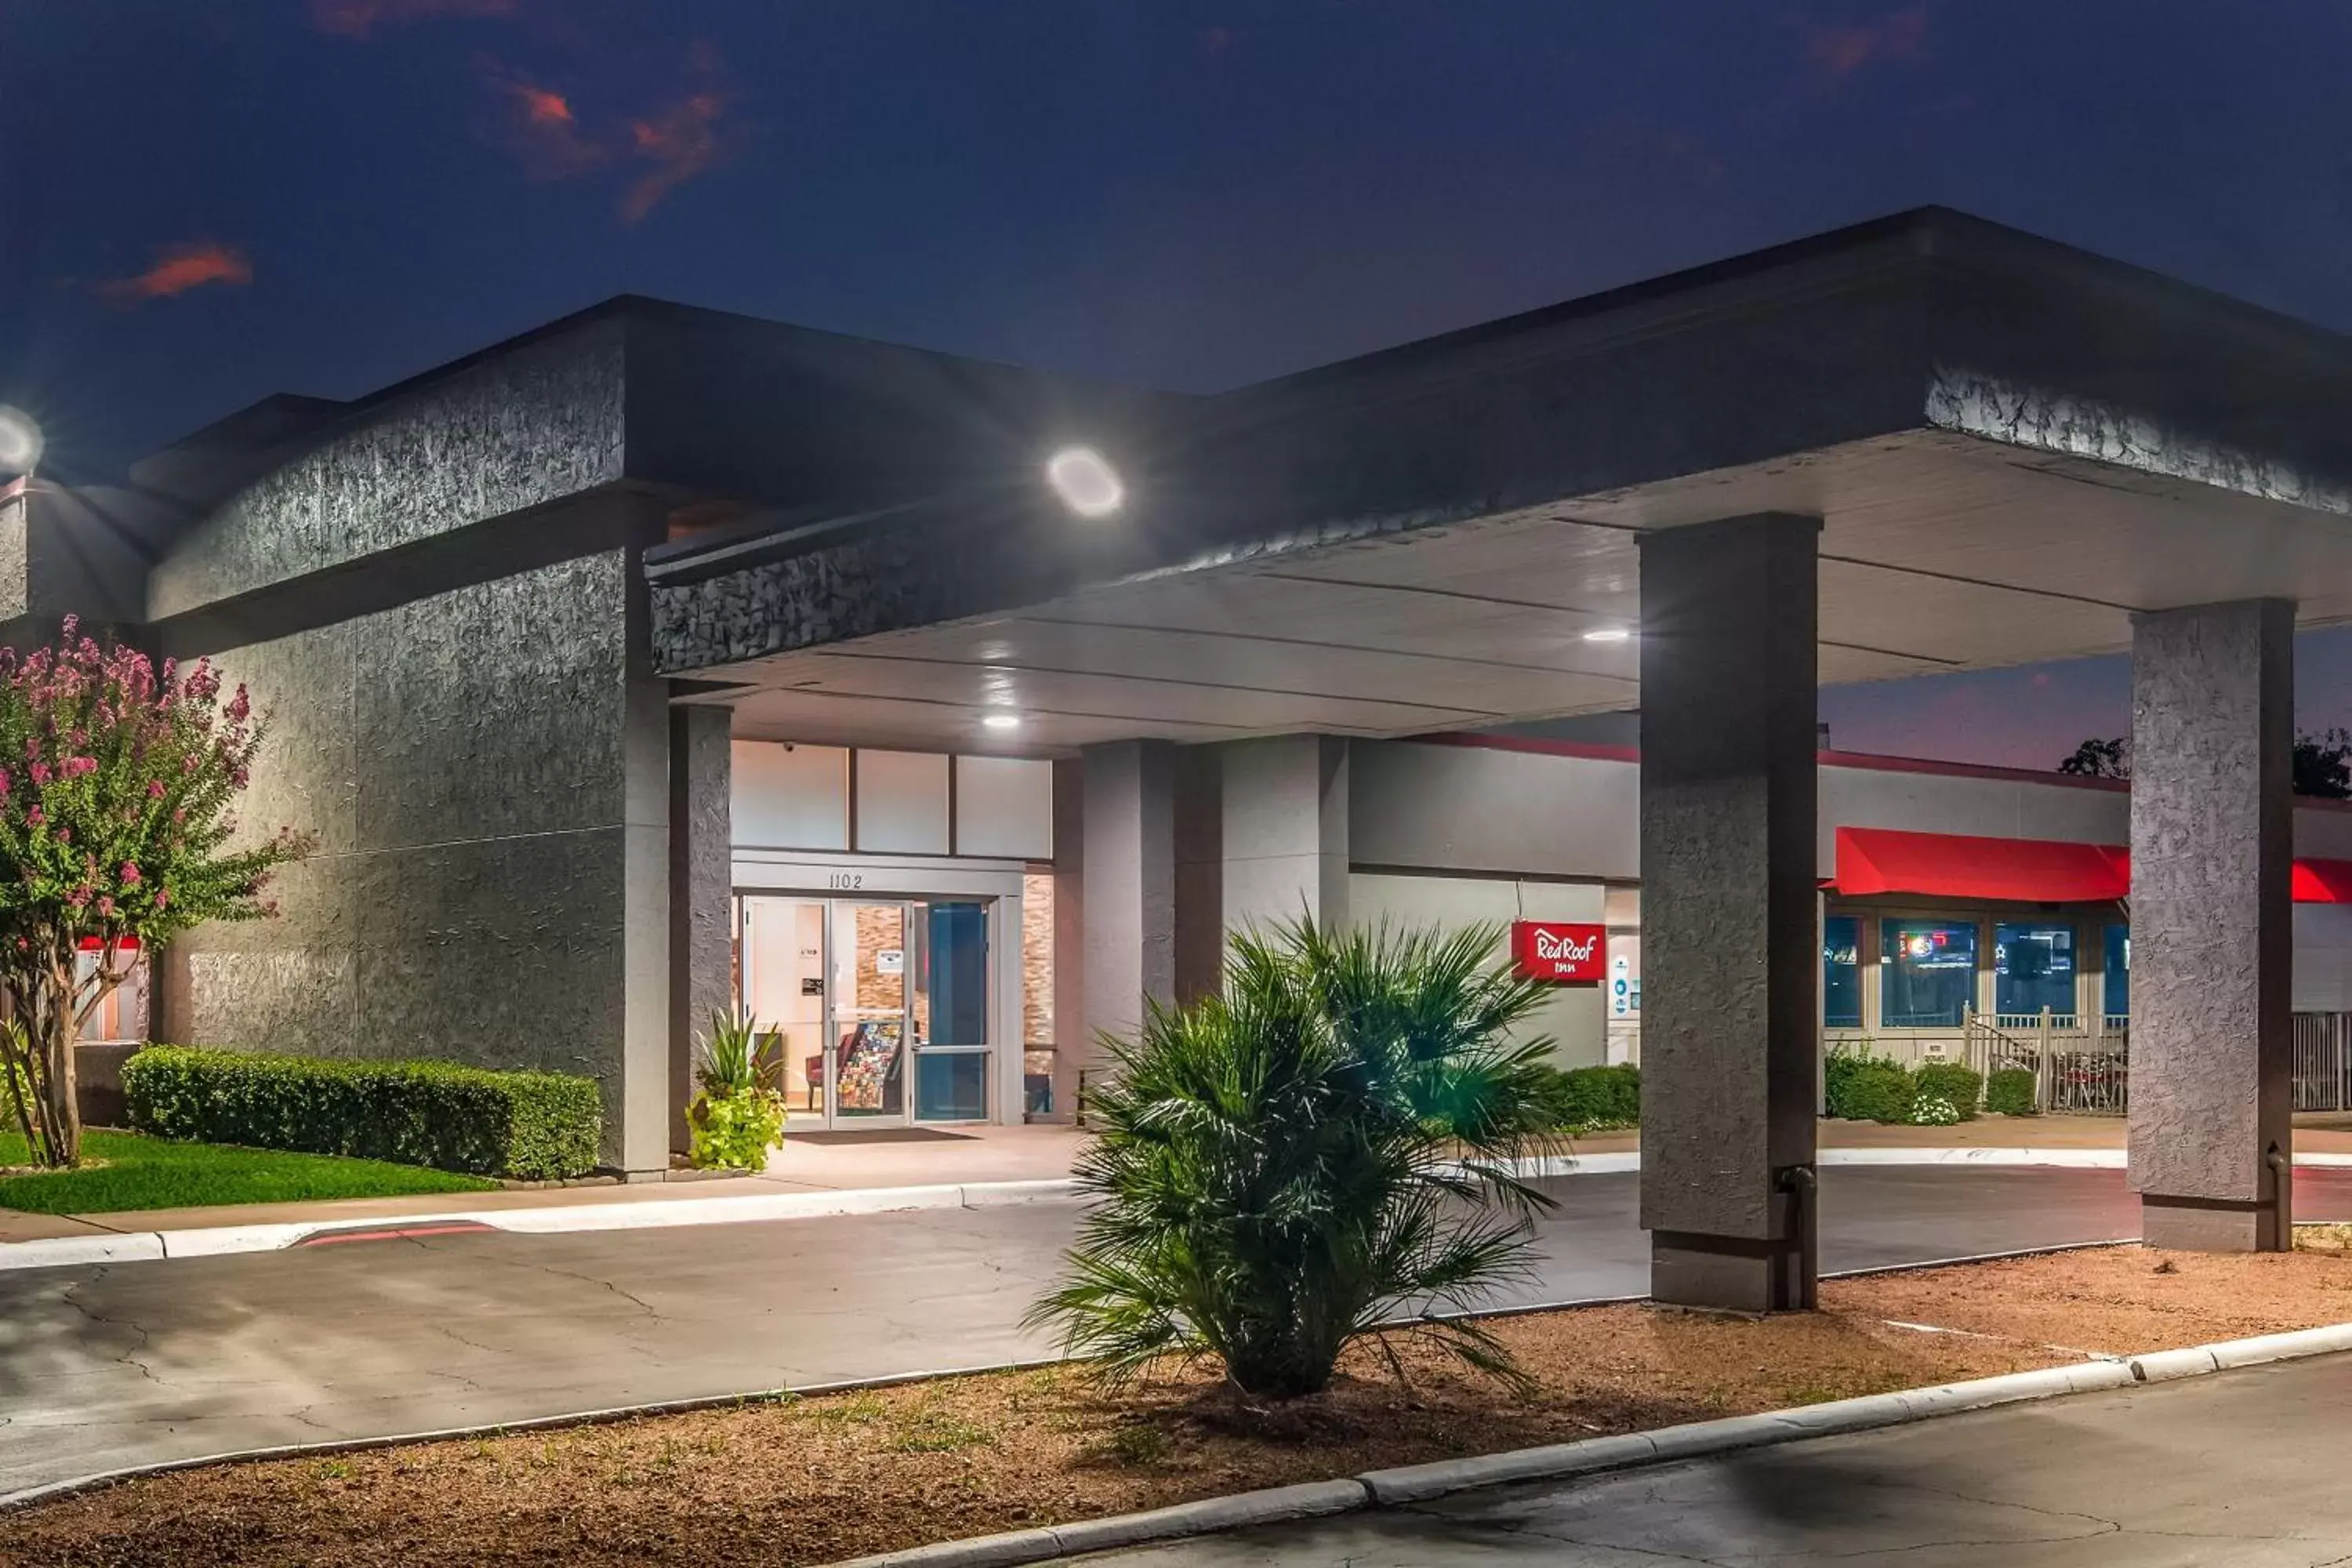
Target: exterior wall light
20 441
1086 483
1002 721
1609 634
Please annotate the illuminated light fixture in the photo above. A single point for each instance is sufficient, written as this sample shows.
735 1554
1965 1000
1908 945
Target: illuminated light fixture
1002 721
20 441
1086 481
1609 634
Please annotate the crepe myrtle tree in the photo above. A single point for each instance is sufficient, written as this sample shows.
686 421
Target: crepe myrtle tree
116 782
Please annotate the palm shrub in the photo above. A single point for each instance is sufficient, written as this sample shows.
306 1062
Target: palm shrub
1316 1154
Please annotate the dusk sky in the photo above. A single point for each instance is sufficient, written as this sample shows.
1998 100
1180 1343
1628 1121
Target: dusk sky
205 201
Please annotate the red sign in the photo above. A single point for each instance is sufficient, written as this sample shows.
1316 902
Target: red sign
1564 951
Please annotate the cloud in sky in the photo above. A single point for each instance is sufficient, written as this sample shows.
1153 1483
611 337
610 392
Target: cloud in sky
1838 52
360 19
178 269
555 136
538 125
677 142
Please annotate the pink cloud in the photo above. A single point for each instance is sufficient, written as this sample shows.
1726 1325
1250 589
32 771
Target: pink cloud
180 268
360 19
1838 52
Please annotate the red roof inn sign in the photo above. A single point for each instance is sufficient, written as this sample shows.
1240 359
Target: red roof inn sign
1563 952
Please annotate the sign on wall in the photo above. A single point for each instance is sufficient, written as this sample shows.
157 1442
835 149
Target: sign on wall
1566 953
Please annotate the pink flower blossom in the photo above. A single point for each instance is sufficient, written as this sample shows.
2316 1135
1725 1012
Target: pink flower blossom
34 816
239 706
75 767
130 873
40 773
106 906
163 897
155 786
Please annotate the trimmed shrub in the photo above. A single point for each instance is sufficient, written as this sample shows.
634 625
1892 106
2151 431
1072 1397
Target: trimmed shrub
1592 1100
533 1125
1860 1087
1934 1111
2010 1092
1960 1086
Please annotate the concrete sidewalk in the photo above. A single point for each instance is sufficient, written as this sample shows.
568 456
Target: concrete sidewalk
986 1156
980 1155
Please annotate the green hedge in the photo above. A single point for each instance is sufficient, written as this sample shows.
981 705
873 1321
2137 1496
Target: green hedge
1588 1099
533 1125
1963 1086
2010 1091
1860 1087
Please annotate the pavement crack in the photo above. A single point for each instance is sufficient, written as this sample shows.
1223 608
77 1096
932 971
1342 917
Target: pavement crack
131 1358
652 1313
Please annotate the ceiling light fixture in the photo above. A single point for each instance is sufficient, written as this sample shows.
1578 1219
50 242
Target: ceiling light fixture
1609 634
1086 481
1002 721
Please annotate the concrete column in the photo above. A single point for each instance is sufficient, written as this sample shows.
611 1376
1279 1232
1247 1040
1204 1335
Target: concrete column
645 910
1129 882
1731 958
1071 1041
2212 938
701 889
1284 840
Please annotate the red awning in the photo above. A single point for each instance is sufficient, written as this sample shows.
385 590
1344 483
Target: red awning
1964 865
2323 881
2021 870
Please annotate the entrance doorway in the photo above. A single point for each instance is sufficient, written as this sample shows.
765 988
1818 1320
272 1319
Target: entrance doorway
881 1008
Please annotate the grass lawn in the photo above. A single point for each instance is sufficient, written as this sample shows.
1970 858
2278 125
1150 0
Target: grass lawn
156 1174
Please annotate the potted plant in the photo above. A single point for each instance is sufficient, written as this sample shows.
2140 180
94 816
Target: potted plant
735 1118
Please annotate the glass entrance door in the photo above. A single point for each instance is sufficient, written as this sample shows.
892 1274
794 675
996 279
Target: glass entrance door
883 1008
951 1011
871 1016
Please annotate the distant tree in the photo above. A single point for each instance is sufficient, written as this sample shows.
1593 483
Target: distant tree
116 781
2098 759
2321 763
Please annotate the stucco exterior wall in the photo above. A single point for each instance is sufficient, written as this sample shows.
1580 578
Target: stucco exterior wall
467 762
517 430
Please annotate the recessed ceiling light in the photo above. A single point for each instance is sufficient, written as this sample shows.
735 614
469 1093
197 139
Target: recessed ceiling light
1609 634
1086 481
1002 721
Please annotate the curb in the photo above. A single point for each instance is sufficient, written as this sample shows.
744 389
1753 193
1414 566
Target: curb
218 1241
1701 1439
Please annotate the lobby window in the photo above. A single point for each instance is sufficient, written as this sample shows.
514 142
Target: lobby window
1841 972
1928 973
2034 968
2118 971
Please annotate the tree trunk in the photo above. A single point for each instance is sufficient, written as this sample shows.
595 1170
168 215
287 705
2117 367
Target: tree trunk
43 1060
64 1109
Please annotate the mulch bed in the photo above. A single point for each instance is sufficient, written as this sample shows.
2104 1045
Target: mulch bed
816 1480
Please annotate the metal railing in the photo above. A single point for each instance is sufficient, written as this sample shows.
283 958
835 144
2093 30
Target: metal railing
2075 1072
2323 1061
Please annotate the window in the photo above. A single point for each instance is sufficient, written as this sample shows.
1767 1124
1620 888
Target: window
1841 972
2118 972
2034 968
1928 973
